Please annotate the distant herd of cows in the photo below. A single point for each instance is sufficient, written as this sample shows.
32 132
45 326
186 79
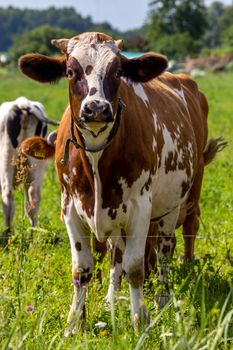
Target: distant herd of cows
130 153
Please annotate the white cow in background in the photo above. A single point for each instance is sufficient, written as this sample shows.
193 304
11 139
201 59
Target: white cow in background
19 120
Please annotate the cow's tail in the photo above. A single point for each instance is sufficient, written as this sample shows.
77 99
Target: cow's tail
213 146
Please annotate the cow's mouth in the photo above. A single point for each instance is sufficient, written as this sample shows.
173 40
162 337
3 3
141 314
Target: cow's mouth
95 128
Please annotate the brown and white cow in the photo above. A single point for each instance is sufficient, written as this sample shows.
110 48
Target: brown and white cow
130 149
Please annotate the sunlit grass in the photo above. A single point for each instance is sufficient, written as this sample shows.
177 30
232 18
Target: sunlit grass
37 271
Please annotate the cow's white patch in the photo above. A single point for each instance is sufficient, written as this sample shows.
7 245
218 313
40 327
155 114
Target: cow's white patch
64 198
155 118
190 149
154 144
114 284
66 178
139 91
167 184
180 93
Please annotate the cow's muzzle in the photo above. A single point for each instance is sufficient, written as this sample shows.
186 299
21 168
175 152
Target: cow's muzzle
96 112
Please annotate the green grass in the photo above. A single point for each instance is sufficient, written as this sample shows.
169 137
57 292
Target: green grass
38 272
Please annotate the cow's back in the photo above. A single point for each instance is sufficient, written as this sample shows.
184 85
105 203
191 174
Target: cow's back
196 103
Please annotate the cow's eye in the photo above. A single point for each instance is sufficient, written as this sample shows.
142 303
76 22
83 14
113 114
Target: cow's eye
118 74
70 73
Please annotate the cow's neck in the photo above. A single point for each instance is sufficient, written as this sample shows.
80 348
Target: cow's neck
94 161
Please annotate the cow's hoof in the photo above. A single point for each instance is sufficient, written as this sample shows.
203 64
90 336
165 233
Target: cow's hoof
141 320
75 328
5 237
162 299
68 332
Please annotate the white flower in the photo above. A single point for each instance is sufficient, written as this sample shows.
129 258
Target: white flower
166 335
101 324
122 297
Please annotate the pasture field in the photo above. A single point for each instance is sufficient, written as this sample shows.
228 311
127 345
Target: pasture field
35 273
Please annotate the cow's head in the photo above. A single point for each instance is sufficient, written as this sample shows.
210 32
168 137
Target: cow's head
94 66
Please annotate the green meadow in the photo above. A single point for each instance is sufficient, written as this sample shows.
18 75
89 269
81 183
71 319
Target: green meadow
35 271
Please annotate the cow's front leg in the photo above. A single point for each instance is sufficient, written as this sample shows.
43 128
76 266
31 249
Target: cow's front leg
133 266
166 244
82 266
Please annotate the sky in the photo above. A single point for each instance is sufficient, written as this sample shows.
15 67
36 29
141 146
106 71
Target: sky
121 14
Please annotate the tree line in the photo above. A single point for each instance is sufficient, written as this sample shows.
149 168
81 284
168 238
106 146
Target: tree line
181 28
176 28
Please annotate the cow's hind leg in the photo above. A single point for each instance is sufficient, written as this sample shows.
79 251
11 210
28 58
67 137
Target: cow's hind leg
33 189
82 267
191 222
8 206
100 250
150 253
165 247
116 248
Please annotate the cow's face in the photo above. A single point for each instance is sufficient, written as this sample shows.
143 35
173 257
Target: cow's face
94 67
94 72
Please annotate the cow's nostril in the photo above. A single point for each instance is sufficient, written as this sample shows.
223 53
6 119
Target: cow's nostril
106 109
88 110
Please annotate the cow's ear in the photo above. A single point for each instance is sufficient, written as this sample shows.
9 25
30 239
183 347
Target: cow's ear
43 68
144 68
37 147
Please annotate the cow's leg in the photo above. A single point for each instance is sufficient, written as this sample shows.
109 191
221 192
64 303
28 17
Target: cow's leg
33 198
150 253
33 189
116 248
165 247
7 175
191 222
190 229
133 266
100 249
82 266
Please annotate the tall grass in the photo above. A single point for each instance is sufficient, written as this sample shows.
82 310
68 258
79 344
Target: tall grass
35 273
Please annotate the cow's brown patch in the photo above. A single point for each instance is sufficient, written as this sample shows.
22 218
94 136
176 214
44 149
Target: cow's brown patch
111 80
88 69
118 256
93 91
185 186
161 223
166 249
78 246
77 84
171 162
135 276
124 207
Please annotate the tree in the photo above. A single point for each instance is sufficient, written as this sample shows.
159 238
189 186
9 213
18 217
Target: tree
177 46
226 19
14 21
37 40
183 18
212 37
227 38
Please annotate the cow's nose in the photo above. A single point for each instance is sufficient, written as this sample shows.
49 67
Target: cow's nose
97 111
